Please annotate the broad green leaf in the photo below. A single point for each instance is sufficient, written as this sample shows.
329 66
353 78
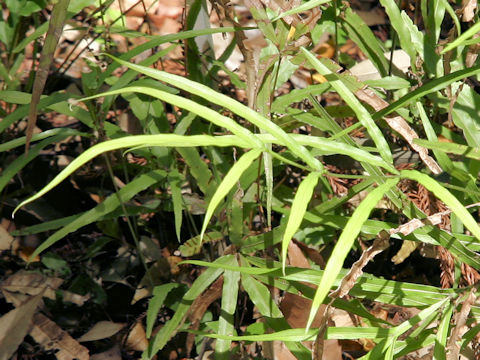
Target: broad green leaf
109 204
230 179
299 206
344 244
155 304
447 197
229 304
362 114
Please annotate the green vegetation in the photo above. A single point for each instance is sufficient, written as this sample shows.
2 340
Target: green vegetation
236 187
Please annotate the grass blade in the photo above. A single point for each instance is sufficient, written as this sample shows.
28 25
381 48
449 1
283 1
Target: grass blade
299 206
362 114
229 304
230 179
344 244
446 196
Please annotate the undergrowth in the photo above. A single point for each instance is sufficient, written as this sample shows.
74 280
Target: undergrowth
274 199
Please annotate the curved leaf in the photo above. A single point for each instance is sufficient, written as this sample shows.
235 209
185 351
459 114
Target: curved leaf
344 244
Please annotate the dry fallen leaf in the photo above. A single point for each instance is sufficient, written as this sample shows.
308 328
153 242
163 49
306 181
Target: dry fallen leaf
137 338
15 324
101 330
6 240
113 354
51 337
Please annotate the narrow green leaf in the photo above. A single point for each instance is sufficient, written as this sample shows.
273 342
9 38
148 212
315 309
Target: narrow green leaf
109 204
298 9
344 244
299 206
198 287
400 27
362 114
155 304
231 104
439 350
171 140
430 87
226 321
63 132
20 162
451 148
447 197
192 106
462 38
175 187
227 184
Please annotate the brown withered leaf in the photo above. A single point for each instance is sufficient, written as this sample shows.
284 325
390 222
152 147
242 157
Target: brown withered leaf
23 284
460 320
401 126
137 338
15 324
112 354
468 9
101 330
51 337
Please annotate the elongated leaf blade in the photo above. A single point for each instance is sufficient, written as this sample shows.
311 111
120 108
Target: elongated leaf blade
299 206
446 196
227 184
229 304
344 244
362 113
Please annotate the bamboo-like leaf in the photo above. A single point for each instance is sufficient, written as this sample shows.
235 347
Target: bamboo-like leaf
227 184
156 302
430 87
439 350
226 321
362 114
231 104
20 162
192 106
451 148
198 287
299 206
447 197
401 28
59 13
363 36
175 187
344 244
109 204
462 38
65 132
298 9
171 140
